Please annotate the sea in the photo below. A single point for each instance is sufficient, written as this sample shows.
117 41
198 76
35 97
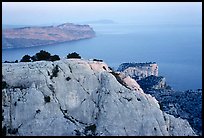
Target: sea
177 49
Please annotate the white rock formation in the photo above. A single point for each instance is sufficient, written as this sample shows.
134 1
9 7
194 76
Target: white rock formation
139 70
85 99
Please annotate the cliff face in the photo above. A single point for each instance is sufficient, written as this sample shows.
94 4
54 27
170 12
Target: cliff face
139 70
80 97
36 36
184 104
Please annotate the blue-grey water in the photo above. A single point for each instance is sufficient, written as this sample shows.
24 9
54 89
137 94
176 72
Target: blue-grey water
176 48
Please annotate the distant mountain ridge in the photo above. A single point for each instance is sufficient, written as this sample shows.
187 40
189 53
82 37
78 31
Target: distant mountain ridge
45 35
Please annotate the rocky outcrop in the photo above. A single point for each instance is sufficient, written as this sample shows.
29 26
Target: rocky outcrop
80 97
139 70
183 104
153 82
36 36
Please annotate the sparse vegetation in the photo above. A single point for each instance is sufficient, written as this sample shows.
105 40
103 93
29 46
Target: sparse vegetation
54 58
110 68
99 60
138 99
78 133
42 55
68 78
16 61
152 82
92 129
38 111
73 55
26 58
47 99
4 85
54 72
13 131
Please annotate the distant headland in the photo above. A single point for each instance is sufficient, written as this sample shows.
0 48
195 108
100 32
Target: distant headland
44 35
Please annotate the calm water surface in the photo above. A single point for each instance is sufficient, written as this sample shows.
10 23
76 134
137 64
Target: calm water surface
177 49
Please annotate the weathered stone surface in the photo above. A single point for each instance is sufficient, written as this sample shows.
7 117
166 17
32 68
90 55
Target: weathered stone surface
90 102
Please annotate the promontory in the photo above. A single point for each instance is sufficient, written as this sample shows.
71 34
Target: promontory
37 35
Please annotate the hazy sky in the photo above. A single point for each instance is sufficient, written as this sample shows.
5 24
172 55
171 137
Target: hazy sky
36 13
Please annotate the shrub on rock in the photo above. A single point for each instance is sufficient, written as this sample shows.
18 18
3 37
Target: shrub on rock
54 58
26 58
73 55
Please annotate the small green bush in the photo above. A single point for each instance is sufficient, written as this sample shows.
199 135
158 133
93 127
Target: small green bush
54 58
4 85
99 60
110 68
138 99
73 55
26 58
47 99
54 72
42 55
104 67
91 128
68 78
38 111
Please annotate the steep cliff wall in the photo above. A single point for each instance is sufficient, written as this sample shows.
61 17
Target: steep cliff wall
139 70
80 97
36 36
184 104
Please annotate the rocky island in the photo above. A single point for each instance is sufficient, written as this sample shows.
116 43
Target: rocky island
80 97
37 36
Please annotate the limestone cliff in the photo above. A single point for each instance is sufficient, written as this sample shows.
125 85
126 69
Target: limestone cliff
80 97
184 104
139 70
36 36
